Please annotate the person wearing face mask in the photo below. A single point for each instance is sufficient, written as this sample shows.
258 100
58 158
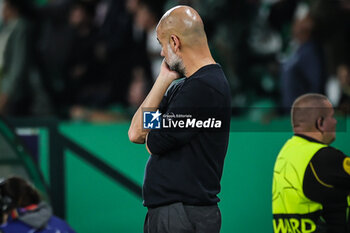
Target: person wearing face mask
22 210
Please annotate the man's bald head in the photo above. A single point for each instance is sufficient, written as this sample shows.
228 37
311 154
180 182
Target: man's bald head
185 23
307 109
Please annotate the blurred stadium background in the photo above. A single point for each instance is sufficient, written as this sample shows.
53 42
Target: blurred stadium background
73 73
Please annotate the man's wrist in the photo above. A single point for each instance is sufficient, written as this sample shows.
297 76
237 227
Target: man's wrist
163 82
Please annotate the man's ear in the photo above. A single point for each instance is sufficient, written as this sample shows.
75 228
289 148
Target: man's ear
175 43
319 124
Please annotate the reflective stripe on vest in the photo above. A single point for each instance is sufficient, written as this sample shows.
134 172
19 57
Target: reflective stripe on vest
288 198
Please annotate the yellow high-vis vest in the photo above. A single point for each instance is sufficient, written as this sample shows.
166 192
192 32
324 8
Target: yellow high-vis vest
292 210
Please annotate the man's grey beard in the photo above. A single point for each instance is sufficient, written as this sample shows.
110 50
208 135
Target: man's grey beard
178 67
175 63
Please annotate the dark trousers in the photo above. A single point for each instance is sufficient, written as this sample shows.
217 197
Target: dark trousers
179 218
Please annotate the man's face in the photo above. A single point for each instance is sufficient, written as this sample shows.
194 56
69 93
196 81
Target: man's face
174 61
329 124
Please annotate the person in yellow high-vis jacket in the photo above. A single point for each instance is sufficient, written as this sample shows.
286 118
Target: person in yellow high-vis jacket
311 180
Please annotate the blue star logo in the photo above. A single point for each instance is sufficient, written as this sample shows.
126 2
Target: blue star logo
151 120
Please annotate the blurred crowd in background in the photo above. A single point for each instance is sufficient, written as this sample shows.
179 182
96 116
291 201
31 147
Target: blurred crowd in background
96 60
